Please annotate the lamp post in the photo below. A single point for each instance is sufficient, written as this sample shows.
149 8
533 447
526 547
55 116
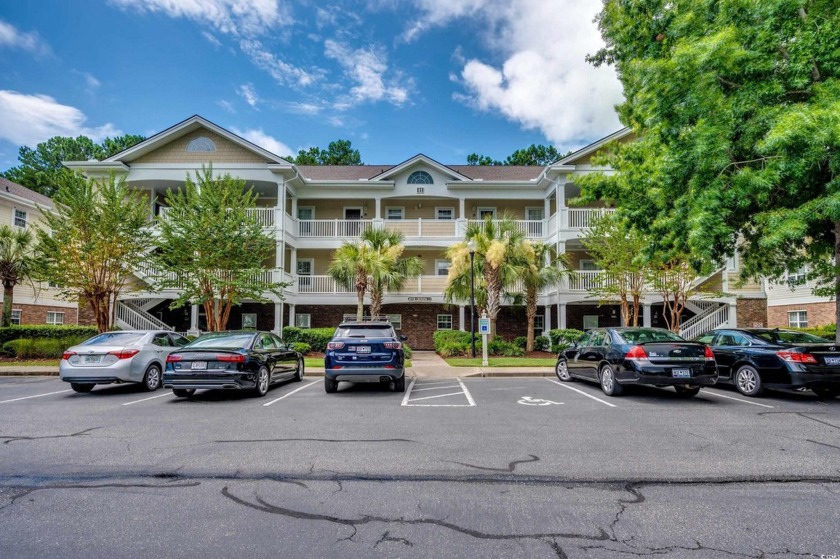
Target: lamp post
471 248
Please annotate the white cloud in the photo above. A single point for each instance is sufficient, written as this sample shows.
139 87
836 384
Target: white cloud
211 39
281 71
302 108
13 38
31 119
367 68
544 82
247 92
260 138
226 105
235 17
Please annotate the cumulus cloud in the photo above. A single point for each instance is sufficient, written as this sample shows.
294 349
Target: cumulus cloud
260 138
247 92
235 17
544 82
31 119
366 68
13 38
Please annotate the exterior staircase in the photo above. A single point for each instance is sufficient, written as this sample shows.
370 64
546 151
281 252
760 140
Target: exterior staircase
131 316
711 315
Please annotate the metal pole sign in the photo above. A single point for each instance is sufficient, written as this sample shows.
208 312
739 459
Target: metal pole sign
484 330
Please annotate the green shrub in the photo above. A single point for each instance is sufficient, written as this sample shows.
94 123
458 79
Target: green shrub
563 338
453 349
45 348
829 331
302 347
408 351
451 338
291 334
542 343
506 349
521 341
42 331
317 338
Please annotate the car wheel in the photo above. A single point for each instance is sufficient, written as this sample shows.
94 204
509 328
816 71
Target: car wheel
183 392
687 391
399 384
609 385
330 386
299 371
83 388
561 369
152 379
827 393
261 389
747 381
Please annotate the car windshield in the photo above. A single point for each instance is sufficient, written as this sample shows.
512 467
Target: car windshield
364 332
790 337
221 341
648 335
115 338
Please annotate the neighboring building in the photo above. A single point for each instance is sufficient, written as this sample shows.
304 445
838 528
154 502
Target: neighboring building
32 303
310 210
791 303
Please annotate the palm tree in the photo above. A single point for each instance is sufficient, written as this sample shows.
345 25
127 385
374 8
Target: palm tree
540 267
497 244
394 269
352 265
16 263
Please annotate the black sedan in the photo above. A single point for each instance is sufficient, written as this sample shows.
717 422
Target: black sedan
757 358
616 357
232 360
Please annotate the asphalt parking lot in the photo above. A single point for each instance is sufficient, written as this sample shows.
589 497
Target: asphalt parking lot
453 467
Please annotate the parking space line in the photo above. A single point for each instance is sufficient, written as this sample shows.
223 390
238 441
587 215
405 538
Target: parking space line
736 399
437 382
581 392
290 393
437 396
36 396
466 392
408 401
436 388
149 398
408 392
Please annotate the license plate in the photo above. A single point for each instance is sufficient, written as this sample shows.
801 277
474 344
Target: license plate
832 360
91 359
681 373
362 349
198 365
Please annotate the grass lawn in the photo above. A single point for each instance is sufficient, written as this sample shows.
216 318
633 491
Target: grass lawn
503 361
318 362
29 363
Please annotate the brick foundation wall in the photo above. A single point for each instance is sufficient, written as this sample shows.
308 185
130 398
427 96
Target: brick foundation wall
819 314
37 314
752 313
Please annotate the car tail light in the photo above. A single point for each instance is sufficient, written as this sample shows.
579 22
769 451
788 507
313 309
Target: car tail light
390 366
335 345
124 353
636 352
173 357
393 345
336 367
709 355
67 355
231 358
797 357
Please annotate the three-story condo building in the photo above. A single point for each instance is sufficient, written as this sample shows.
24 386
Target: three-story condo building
311 210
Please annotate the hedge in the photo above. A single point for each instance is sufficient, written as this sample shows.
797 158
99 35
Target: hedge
44 348
317 338
829 331
42 331
563 338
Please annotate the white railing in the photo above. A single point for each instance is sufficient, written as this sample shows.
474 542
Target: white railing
708 308
531 228
333 227
588 280
422 227
714 320
551 225
583 218
321 284
139 320
265 216
151 275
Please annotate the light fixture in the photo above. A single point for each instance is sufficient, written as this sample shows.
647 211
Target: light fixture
471 247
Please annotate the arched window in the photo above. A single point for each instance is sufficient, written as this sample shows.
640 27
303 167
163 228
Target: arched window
201 145
420 177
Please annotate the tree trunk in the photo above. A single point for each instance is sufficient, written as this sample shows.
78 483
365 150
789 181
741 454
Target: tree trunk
530 312
635 310
360 305
837 279
375 301
493 283
8 293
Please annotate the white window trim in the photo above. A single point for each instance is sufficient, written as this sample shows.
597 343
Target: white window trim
798 322
441 262
582 269
539 322
19 316
450 321
249 314
597 321
396 323
305 208
537 208
25 219
450 208
400 208
55 314
298 320
480 209
360 208
311 262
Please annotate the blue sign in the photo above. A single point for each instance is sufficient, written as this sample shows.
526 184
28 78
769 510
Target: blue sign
484 326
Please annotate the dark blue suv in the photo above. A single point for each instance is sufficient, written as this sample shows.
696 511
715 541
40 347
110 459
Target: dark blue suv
365 352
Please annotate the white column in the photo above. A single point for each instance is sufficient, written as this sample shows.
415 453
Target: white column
646 320
278 318
378 201
561 316
281 249
291 314
293 260
462 208
462 314
547 210
733 314
294 207
547 320
193 321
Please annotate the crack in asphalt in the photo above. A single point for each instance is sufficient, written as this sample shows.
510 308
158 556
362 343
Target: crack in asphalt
510 469
667 550
386 537
24 491
802 414
318 441
823 444
15 438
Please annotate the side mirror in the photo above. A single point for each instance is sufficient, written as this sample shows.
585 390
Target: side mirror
403 338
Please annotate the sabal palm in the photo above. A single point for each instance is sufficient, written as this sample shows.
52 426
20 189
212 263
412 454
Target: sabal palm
497 244
540 267
16 264
352 265
395 269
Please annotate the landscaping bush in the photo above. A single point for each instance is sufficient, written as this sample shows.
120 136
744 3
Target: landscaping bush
521 341
301 347
408 351
452 338
291 334
829 331
45 348
317 338
541 343
453 349
563 338
506 349
42 331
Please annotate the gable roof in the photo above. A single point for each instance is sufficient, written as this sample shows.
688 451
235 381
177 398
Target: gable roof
594 146
420 158
500 173
20 191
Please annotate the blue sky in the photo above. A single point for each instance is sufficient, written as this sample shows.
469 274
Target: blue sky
396 77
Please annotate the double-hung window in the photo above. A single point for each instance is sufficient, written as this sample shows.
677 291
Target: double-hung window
20 218
444 322
798 319
55 318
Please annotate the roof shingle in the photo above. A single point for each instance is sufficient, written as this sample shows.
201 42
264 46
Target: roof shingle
23 192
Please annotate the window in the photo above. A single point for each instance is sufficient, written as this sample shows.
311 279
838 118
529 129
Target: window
797 278
395 213
442 267
20 218
587 264
798 319
265 341
303 321
16 317
590 321
395 320
55 317
597 338
534 214
178 340
484 213
161 340
706 338
420 177
249 321
732 339
201 145
444 322
539 324
444 213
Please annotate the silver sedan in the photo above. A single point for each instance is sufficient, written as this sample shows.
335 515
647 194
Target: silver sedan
115 357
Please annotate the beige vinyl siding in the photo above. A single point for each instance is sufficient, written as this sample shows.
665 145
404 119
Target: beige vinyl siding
334 209
226 152
324 257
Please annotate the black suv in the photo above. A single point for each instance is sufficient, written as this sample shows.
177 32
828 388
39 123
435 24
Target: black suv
367 351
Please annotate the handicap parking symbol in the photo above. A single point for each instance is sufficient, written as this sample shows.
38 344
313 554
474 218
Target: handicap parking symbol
529 401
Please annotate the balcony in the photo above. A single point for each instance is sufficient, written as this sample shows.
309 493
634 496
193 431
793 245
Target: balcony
326 284
265 216
581 218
